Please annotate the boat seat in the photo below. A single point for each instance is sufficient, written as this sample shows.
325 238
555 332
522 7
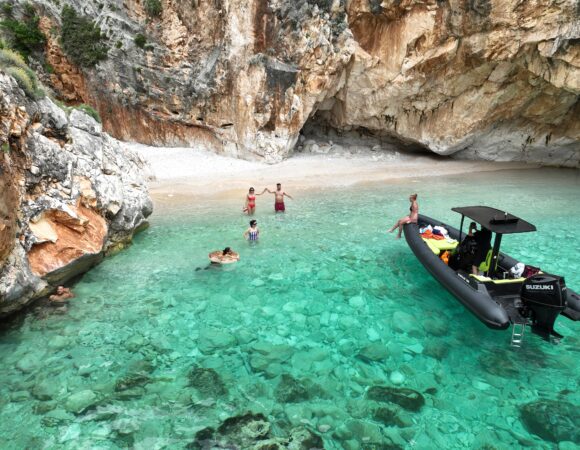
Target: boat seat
484 266
485 279
509 280
440 245
481 278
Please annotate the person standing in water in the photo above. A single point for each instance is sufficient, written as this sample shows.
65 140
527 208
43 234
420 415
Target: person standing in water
413 216
279 198
253 233
250 205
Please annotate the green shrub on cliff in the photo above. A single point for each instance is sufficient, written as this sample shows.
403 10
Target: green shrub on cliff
13 64
90 111
24 80
153 8
140 40
83 107
24 35
81 39
11 58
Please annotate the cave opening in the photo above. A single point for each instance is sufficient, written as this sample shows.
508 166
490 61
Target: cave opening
320 136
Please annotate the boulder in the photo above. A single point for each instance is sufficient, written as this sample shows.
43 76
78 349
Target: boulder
290 390
207 381
552 420
78 195
80 401
406 398
373 352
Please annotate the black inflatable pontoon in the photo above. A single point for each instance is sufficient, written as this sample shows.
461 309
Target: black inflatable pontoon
495 298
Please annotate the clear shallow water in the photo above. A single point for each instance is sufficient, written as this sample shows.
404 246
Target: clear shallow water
325 308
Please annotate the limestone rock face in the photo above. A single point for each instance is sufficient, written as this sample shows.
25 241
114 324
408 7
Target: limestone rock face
69 193
491 79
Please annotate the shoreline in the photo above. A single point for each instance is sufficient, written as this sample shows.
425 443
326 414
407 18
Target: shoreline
186 173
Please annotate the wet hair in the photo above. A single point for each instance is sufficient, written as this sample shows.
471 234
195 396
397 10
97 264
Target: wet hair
253 222
226 250
252 189
278 184
414 196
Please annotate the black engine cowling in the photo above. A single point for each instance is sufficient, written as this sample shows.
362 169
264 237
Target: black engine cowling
545 296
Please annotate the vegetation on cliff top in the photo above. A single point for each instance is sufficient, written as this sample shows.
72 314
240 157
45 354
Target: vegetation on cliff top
81 39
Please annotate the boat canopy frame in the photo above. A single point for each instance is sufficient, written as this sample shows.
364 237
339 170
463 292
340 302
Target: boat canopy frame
498 222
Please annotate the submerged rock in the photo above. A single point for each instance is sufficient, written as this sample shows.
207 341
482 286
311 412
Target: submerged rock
207 382
373 352
392 416
253 432
211 340
407 398
290 390
131 380
552 420
79 401
57 417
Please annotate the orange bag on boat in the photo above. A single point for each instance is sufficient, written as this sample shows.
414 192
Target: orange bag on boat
445 257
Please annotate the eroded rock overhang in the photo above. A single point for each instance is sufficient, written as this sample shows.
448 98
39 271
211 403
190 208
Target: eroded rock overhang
489 79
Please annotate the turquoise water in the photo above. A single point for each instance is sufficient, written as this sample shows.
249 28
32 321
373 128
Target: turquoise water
328 327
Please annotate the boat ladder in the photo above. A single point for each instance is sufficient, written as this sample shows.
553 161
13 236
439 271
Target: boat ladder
518 331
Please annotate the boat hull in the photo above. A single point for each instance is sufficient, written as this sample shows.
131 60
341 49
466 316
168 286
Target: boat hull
475 299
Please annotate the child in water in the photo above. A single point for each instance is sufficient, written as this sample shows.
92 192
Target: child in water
252 233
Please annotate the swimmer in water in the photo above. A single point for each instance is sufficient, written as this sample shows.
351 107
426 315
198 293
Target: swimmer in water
253 233
225 256
61 297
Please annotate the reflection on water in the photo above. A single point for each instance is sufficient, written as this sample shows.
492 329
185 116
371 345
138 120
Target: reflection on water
329 332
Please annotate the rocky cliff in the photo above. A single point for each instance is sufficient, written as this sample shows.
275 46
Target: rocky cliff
68 194
493 79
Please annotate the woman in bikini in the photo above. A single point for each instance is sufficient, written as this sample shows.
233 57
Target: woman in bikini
413 216
253 233
250 205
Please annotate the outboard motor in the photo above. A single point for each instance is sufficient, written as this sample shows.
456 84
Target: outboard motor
545 296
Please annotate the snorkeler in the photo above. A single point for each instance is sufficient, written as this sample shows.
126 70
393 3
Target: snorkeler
413 216
225 256
279 199
252 233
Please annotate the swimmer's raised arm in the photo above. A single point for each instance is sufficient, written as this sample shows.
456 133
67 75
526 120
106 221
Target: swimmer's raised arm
288 195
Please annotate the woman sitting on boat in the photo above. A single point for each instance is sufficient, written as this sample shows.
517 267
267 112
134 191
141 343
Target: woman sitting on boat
411 218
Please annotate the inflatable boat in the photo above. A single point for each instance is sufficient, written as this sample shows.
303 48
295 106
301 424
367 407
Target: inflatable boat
498 294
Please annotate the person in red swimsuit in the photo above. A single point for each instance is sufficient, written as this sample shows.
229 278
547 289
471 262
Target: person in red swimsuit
250 205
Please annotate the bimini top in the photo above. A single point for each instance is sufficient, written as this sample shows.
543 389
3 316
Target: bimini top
495 220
